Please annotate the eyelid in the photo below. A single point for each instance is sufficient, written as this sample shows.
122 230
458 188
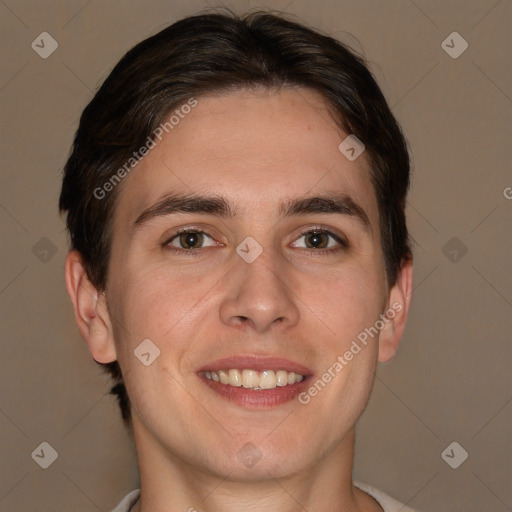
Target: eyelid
329 231
203 233
333 233
168 238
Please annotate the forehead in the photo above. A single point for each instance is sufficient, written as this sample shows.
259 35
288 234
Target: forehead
257 147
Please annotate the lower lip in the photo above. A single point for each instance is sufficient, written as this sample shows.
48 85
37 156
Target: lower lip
257 399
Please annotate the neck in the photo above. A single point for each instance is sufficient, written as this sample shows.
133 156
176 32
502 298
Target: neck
326 485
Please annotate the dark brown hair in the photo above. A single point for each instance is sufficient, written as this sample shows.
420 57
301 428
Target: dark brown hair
210 53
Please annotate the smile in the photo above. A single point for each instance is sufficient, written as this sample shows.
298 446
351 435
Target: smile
252 379
255 381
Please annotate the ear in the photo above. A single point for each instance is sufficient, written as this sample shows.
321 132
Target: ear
91 312
397 310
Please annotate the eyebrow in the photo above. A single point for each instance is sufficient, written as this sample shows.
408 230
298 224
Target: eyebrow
340 204
219 206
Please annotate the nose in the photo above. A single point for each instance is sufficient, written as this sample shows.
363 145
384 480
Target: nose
259 295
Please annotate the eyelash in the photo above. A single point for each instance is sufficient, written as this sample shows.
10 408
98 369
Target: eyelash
343 243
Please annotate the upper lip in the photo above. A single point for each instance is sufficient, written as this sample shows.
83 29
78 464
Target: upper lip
254 362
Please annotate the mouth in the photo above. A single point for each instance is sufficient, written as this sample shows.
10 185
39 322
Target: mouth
255 382
252 379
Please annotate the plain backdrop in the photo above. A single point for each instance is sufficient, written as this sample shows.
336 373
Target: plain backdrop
450 381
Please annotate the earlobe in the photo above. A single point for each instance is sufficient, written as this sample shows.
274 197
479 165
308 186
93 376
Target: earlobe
91 312
397 311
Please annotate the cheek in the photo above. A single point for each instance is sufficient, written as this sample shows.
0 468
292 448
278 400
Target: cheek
159 303
343 302
161 306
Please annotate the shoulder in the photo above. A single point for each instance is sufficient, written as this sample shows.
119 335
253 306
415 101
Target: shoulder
388 503
128 501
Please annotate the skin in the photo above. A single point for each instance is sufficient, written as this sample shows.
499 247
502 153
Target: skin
257 148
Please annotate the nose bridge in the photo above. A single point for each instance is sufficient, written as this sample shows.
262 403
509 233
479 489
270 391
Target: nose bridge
258 293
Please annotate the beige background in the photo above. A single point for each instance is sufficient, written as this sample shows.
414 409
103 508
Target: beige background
451 380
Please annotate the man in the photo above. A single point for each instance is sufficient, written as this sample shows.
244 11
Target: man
240 261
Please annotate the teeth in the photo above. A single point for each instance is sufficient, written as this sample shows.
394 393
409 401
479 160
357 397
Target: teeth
251 379
281 378
234 378
268 379
223 376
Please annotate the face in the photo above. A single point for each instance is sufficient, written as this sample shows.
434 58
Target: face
258 285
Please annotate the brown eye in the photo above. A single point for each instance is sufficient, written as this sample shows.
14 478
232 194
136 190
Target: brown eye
320 239
317 240
189 240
